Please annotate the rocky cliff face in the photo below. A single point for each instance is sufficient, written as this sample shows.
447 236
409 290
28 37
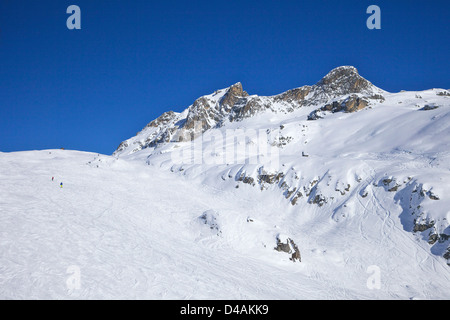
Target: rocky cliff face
342 89
212 112
342 81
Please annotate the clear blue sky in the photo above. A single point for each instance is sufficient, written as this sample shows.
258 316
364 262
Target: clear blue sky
132 60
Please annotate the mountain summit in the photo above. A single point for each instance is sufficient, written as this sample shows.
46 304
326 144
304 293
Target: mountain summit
345 80
342 89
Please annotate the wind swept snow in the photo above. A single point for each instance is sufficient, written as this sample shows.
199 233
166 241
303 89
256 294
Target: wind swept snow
135 231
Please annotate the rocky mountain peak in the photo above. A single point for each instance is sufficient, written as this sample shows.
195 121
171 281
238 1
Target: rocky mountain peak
342 89
344 80
236 89
339 73
211 110
164 119
232 96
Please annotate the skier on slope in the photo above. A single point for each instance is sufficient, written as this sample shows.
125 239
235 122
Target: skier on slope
61 185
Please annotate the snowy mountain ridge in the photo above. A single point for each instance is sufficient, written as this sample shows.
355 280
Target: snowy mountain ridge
234 104
334 141
339 190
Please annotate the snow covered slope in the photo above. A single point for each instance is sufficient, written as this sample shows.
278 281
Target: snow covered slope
333 191
130 230
330 145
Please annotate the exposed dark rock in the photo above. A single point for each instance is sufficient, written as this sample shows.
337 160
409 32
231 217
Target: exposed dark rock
249 180
289 247
414 219
355 103
234 94
209 218
433 238
282 141
270 178
289 193
297 95
429 107
247 107
377 97
246 179
164 119
432 196
447 255
201 112
319 199
315 115
296 254
394 188
420 227
344 80
351 104
443 94
122 146
443 237
283 247
390 184
296 197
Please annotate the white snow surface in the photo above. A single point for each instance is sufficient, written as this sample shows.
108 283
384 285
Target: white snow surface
141 226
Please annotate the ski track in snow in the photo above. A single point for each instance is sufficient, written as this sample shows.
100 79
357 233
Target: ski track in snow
133 238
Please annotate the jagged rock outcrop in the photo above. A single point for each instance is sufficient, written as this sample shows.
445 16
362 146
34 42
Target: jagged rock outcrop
211 112
293 95
209 218
162 120
351 104
429 107
342 89
288 247
447 255
443 93
233 95
344 80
